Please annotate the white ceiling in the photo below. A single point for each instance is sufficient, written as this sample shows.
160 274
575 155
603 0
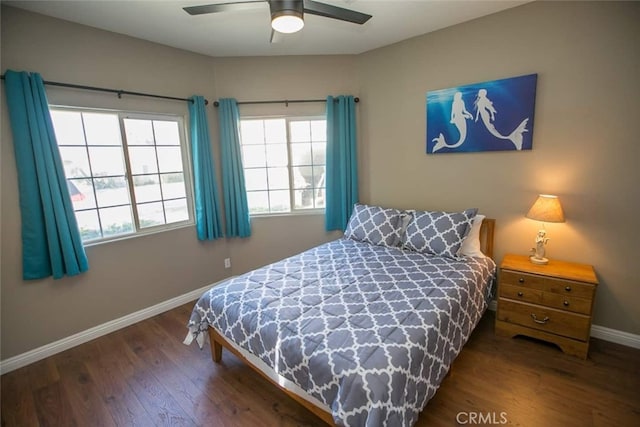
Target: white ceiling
247 32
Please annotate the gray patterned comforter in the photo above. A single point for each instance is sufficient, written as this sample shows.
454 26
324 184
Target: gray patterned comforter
368 330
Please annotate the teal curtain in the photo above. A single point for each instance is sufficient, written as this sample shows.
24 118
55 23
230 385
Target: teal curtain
342 162
236 209
51 243
207 202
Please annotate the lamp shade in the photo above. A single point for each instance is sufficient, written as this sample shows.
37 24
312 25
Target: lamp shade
547 208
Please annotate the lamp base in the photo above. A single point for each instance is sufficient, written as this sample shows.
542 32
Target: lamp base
539 261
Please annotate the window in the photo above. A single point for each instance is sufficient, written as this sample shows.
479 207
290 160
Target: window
125 172
284 164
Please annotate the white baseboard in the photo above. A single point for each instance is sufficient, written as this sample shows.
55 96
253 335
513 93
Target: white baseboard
47 350
601 332
616 336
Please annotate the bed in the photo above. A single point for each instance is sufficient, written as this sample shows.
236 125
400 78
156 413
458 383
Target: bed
361 330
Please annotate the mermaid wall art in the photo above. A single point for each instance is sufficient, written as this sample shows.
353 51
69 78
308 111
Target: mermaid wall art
489 116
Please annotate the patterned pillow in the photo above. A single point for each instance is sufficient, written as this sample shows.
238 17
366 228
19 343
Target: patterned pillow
438 233
375 225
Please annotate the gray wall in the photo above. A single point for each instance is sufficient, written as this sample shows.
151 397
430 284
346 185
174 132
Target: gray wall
132 274
585 143
584 150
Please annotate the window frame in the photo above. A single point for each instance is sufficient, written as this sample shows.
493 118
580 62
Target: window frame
290 165
129 176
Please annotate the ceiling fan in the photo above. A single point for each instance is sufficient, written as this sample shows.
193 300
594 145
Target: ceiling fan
287 16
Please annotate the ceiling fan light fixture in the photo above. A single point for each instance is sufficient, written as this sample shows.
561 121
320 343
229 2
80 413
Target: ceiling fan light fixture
286 16
287 23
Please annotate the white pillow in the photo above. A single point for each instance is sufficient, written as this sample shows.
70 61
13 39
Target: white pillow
471 243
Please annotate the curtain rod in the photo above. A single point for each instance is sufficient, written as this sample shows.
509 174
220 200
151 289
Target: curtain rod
118 92
286 102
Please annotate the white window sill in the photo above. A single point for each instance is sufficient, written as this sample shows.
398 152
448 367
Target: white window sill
154 230
305 212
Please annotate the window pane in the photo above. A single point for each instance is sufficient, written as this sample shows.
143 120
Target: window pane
277 155
275 131
319 153
98 170
75 161
102 129
302 177
88 224
303 199
253 156
258 202
173 186
139 132
106 161
301 154
255 179
176 210
252 132
318 176
278 178
166 132
279 201
111 191
81 192
116 221
143 160
68 127
319 197
150 214
147 188
319 130
169 159
300 131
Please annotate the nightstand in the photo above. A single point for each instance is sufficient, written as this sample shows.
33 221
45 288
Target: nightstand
552 302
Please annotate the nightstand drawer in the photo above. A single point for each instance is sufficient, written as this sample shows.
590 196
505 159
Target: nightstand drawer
564 302
534 296
545 319
520 293
548 284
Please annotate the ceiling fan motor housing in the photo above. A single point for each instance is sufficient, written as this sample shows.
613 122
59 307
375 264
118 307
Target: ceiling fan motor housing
286 7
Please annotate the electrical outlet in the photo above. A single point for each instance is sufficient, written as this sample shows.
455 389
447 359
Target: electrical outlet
227 263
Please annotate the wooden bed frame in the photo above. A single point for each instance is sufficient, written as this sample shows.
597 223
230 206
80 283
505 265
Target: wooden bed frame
218 342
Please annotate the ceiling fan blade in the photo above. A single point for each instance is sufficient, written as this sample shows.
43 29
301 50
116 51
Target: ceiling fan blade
276 37
222 7
335 12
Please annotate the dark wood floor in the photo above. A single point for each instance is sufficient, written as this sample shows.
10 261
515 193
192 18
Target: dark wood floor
143 376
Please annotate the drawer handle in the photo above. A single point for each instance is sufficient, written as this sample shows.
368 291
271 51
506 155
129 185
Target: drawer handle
520 294
521 280
566 303
542 322
567 288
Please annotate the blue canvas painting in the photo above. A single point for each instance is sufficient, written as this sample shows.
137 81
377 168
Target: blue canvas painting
490 116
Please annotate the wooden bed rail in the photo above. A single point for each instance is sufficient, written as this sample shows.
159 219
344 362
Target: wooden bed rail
218 342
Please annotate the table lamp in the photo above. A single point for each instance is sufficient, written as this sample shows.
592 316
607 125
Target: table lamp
546 208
